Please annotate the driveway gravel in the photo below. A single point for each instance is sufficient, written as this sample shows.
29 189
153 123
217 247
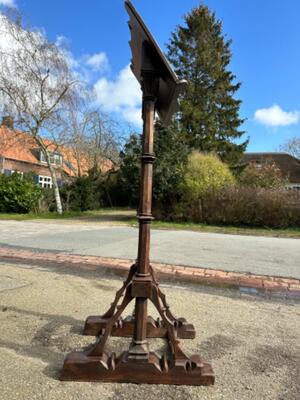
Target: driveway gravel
252 343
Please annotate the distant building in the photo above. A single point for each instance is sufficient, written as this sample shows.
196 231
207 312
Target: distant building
20 153
288 165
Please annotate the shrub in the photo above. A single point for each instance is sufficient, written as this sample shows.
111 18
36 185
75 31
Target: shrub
86 193
112 192
18 194
47 202
248 206
80 195
211 195
205 173
205 176
268 176
128 177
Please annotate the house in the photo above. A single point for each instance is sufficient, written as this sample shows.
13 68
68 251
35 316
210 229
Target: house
20 153
288 165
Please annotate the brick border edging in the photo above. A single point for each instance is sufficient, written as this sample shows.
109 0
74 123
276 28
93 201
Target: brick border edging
288 286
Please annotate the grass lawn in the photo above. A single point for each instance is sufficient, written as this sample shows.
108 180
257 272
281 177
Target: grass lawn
117 215
123 216
232 230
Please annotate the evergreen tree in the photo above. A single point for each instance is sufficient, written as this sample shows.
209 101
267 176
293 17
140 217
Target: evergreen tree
209 114
171 154
129 174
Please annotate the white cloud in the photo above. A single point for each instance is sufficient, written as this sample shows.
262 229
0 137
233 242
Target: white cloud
64 43
86 66
61 41
121 96
98 61
8 3
275 116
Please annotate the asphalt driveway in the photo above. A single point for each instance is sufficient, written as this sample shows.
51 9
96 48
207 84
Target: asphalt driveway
258 255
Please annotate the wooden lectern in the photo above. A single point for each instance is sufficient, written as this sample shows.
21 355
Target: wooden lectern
160 87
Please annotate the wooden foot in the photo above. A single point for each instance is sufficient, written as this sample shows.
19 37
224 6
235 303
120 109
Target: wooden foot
138 365
79 366
95 326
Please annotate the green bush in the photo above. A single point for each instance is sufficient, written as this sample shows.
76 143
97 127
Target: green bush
205 176
47 202
268 176
246 206
81 194
112 192
211 195
18 194
128 177
205 173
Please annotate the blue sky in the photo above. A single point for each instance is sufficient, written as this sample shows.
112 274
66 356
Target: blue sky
266 56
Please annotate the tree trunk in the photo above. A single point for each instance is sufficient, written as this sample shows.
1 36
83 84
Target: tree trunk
55 187
201 210
53 175
78 161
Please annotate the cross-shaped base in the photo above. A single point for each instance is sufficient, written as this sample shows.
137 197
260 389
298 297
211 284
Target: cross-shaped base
138 365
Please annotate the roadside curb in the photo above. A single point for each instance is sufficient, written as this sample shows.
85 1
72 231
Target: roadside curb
286 286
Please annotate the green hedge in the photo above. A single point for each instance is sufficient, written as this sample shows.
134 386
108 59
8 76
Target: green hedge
18 194
241 206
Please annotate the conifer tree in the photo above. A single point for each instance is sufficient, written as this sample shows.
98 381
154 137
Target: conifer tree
209 116
171 153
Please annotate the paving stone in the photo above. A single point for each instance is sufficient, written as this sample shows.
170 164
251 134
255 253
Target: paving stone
192 274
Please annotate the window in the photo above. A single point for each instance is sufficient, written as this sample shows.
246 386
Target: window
55 158
7 172
294 186
70 166
42 157
258 164
45 181
17 172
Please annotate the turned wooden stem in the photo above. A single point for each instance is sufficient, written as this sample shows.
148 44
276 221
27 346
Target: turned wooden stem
149 87
145 208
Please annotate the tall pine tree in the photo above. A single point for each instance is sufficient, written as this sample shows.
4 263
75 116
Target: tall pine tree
171 154
209 114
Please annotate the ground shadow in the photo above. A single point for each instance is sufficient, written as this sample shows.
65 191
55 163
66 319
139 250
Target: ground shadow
266 359
45 345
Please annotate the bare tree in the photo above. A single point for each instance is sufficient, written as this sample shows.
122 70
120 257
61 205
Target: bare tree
94 138
104 139
36 84
292 146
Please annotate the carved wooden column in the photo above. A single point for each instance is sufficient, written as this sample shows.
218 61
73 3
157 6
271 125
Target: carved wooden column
150 84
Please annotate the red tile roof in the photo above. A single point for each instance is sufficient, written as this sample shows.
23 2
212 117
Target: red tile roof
287 164
20 146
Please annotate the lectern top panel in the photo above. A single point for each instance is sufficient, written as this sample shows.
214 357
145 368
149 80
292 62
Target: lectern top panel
148 57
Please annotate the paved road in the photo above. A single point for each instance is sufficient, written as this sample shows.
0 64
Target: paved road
259 255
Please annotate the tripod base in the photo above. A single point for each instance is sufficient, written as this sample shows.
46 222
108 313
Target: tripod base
80 366
95 326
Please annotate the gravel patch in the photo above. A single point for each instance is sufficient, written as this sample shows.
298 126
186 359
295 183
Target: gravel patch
252 343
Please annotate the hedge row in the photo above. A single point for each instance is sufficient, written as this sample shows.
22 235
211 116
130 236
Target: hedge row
240 206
